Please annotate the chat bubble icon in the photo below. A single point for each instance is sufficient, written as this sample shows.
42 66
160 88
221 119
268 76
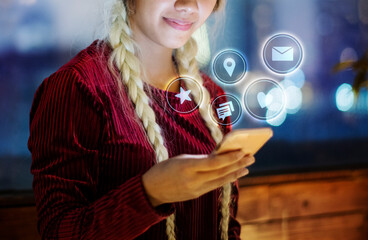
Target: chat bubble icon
225 110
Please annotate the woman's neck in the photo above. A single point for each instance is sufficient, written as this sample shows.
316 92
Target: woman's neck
159 67
156 60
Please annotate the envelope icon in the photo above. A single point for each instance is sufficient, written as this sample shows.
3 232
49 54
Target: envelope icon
282 54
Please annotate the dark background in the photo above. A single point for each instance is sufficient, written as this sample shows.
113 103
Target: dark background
38 37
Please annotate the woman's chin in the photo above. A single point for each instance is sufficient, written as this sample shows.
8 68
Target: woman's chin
177 44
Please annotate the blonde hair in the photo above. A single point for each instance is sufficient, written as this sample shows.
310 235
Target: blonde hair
124 56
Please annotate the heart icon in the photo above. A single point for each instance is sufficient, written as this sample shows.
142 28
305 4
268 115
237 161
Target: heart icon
264 100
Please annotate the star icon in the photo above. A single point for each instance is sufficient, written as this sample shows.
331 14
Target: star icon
183 95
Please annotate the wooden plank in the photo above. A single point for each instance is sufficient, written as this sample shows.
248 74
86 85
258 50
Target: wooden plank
292 206
275 201
348 226
250 180
317 197
253 203
17 198
18 223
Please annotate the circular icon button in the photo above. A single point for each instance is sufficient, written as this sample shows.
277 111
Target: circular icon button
188 99
225 109
264 99
229 66
282 53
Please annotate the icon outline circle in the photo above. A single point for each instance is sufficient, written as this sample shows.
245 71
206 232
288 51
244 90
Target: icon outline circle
234 98
198 86
278 85
296 42
231 51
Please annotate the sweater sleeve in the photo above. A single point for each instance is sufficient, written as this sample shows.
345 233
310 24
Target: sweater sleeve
66 127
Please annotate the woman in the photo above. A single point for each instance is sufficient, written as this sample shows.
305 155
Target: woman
110 159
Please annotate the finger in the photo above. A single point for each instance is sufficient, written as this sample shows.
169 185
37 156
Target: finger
191 156
251 160
220 173
245 161
231 177
214 162
190 161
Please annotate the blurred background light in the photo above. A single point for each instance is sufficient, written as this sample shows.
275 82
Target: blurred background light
276 121
294 99
344 97
297 78
348 54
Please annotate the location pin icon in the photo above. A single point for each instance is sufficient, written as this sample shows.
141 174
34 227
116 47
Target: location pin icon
229 65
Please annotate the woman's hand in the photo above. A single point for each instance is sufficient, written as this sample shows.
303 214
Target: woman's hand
186 177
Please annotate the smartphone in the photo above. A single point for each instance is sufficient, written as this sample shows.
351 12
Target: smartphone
248 140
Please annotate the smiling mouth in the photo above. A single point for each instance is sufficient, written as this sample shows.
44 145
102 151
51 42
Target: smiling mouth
178 24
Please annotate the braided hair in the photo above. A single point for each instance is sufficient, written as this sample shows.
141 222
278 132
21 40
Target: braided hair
124 56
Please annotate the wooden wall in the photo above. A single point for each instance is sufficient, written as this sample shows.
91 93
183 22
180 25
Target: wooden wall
305 206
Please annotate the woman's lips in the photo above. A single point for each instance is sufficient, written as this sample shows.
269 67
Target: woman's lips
178 24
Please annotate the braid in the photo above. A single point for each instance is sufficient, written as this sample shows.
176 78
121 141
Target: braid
124 57
188 65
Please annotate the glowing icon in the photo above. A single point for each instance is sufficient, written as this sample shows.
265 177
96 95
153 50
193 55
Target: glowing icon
285 54
282 53
183 95
229 65
225 110
264 100
182 106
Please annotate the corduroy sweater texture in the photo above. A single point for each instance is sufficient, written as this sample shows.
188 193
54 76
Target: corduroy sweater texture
89 153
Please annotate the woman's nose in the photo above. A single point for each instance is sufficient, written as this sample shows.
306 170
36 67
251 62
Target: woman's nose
187 6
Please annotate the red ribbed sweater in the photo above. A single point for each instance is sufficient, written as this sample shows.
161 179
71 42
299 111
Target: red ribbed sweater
89 154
